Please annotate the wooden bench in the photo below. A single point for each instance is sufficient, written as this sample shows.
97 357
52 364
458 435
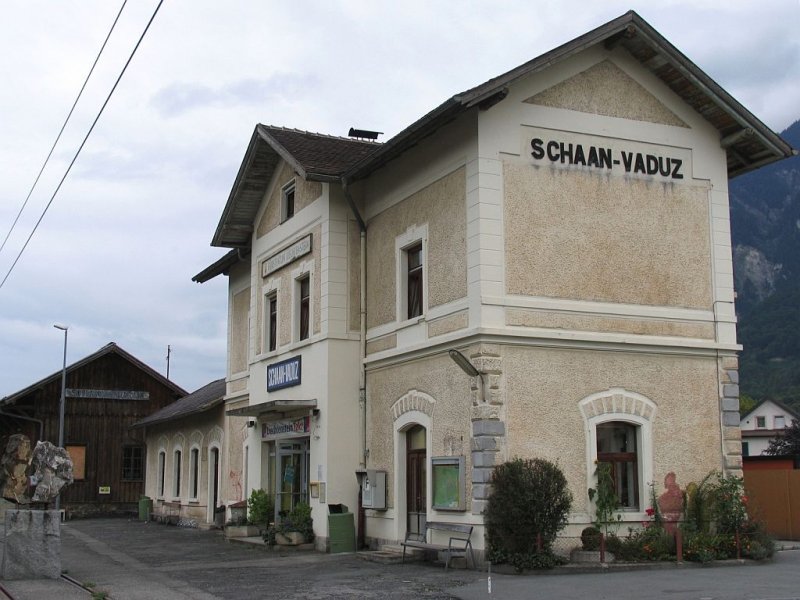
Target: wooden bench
169 513
458 544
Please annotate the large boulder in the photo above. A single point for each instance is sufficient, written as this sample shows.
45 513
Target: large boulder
51 470
14 469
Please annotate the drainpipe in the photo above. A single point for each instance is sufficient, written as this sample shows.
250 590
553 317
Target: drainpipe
362 400
362 385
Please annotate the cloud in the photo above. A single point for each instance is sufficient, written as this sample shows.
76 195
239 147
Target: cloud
177 99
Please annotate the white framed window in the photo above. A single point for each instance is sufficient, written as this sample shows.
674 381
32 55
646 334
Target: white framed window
271 321
287 201
761 422
194 472
411 250
619 431
780 422
176 473
617 447
162 467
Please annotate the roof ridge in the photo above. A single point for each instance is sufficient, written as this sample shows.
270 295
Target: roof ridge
318 134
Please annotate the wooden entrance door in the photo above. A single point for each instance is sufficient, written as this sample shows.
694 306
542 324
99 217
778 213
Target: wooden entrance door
416 488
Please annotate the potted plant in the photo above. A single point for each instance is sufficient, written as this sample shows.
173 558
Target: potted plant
259 508
297 527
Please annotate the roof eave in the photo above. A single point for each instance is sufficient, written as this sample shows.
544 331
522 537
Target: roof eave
195 411
221 266
628 24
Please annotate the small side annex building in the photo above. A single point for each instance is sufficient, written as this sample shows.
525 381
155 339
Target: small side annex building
563 226
187 455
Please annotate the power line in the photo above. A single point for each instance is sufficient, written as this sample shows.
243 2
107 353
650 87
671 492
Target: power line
58 137
74 158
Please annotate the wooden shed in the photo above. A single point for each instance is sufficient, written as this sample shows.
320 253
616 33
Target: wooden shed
106 392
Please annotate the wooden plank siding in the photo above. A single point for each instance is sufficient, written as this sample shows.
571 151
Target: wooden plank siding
102 425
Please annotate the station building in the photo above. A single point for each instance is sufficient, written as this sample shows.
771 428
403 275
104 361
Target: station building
538 267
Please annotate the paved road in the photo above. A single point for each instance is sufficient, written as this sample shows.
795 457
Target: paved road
131 560
775 580
145 561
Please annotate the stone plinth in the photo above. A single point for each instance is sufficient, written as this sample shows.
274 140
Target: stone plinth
32 545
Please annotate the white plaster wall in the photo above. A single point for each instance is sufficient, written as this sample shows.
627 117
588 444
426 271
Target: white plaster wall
500 141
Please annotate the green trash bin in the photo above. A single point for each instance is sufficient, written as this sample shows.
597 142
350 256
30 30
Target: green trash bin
145 508
341 532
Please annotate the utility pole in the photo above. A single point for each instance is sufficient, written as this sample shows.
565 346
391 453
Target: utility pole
169 351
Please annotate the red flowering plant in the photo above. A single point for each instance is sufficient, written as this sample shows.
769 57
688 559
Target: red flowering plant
653 513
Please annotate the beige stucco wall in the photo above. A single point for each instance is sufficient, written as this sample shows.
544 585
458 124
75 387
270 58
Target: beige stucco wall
380 344
286 295
442 205
543 389
605 89
446 384
540 391
586 236
237 385
668 327
448 324
305 193
239 330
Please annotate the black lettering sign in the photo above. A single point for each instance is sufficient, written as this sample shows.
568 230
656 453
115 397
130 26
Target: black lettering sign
597 157
676 168
536 146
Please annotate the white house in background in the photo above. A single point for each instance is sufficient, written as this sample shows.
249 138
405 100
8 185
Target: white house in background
763 424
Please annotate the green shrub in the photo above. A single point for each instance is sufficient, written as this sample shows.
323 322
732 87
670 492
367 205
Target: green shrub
756 542
704 547
528 498
260 508
650 543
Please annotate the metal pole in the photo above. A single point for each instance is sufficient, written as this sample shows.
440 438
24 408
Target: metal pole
61 404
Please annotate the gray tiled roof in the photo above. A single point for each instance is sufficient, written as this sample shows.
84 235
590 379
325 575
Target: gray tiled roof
318 154
201 400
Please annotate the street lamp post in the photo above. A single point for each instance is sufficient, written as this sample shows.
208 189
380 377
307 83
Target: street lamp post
65 329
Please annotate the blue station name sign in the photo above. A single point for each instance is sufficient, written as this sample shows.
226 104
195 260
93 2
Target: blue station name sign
283 374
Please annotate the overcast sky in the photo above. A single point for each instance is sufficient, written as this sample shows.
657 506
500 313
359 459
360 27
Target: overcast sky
115 254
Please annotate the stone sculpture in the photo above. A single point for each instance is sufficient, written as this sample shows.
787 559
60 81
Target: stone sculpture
14 469
32 547
51 469
37 476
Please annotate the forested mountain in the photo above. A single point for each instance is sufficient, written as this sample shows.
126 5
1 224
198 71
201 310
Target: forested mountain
765 227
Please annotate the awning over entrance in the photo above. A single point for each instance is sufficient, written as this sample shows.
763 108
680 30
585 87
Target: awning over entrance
273 408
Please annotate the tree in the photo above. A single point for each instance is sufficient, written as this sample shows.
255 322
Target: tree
788 443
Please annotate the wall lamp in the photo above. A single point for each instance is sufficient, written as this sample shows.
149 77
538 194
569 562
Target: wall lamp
465 365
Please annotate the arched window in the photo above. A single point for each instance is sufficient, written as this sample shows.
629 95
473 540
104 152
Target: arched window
616 446
619 432
162 463
176 470
194 471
